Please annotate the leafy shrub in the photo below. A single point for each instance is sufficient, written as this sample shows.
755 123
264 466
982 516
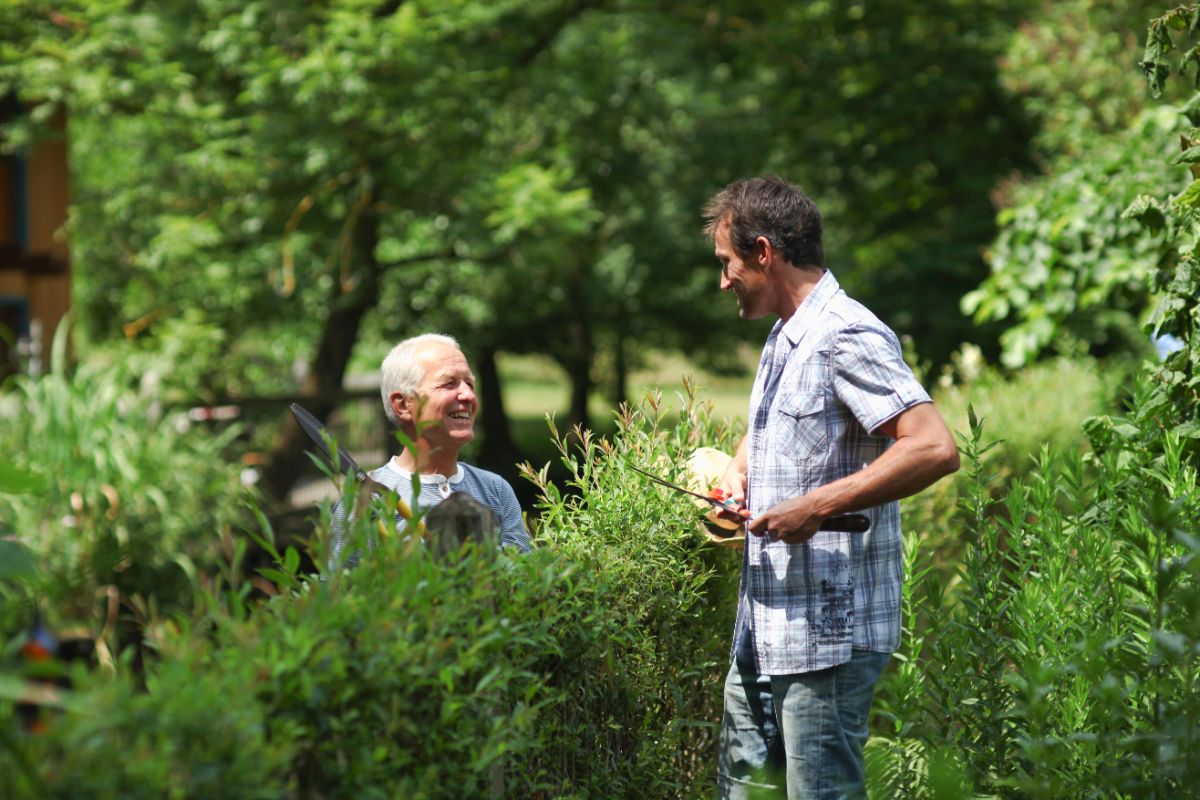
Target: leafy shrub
195 730
130 504
1069 266
1061 659
1059 656
590 667
1023 411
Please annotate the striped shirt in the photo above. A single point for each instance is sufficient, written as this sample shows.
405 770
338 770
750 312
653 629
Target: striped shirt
486 487
828 377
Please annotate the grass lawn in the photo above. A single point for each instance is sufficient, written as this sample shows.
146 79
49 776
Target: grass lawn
535 386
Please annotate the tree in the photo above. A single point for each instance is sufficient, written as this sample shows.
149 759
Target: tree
1069 268
261 182
894 116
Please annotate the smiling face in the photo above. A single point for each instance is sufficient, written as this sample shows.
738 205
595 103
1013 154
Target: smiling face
442 411
747 281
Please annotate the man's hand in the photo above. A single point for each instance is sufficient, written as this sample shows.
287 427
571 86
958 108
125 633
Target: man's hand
732 485
792 521
923 451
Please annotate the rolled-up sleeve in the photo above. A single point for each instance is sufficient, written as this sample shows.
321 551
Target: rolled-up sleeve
871 377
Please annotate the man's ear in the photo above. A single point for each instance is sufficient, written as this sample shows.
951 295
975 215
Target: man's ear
763 251
402 406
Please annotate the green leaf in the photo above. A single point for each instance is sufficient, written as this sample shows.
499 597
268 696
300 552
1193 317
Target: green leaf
1146 210
1190 197
17 562
18 481
291 560
1189 429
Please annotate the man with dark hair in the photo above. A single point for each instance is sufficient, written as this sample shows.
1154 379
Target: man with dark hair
428 392
838 424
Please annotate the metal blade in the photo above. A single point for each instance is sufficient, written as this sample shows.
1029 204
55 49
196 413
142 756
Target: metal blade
321 438
677 488
852 523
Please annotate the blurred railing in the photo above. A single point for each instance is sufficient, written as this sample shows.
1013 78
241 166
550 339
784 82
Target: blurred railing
357 423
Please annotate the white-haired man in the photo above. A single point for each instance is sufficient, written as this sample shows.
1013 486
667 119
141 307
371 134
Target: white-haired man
428 392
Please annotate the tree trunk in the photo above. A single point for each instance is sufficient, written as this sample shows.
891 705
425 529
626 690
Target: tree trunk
579 371
339 334
580 351
620 386
497 452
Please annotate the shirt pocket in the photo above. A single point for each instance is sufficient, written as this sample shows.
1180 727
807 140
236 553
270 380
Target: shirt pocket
801 430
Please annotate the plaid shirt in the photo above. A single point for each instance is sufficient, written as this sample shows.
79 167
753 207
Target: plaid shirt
828 376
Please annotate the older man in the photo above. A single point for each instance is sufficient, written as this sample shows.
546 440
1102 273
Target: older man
838 423
428 392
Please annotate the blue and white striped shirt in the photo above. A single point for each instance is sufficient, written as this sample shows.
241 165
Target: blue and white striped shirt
486 487
828 377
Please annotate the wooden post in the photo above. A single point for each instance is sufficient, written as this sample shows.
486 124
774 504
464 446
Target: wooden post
458 519
451 524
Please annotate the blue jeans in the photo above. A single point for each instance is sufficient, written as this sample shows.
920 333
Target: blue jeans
807 729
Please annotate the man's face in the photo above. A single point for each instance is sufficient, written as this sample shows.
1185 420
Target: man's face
747 281
445 405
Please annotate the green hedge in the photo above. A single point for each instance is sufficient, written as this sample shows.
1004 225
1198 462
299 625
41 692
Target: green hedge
131 505
588 668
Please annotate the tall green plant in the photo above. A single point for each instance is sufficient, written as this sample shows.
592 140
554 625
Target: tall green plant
590 667
992 677
1069 664
133 506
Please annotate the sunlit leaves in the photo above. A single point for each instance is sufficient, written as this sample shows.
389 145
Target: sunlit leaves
1073 246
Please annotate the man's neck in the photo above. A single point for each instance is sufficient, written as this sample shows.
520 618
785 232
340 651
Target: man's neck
427 463
795 287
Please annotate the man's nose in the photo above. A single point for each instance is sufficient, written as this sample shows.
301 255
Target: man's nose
465 392
726 284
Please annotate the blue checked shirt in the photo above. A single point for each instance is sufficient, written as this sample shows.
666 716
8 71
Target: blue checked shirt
828 376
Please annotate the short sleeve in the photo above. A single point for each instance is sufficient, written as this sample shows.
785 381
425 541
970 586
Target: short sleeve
512 526
870 376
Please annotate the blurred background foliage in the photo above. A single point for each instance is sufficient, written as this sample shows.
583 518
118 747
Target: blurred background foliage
281 191
264 185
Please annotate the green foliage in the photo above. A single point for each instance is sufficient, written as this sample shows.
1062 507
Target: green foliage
1041 405
1058 658
1173 404
1068 271
243 171
1061 660
1068 65
1070 268
128 501
196 730
590 667
892 115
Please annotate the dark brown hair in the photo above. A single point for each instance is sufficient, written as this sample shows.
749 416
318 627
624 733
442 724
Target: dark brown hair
774 209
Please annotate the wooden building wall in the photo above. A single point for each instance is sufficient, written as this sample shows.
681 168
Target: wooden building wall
35 289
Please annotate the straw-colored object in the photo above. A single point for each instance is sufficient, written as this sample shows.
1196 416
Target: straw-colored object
706 466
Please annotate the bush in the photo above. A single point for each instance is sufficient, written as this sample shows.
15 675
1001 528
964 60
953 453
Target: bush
195 730
1059 658
590 667
130 506
1023 411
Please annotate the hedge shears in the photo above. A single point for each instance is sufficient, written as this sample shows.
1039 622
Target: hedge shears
853 523
343 462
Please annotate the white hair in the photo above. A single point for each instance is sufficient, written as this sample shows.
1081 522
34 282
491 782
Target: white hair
402 370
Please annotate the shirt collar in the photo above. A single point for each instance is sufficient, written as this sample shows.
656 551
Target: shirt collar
435 479
801 320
